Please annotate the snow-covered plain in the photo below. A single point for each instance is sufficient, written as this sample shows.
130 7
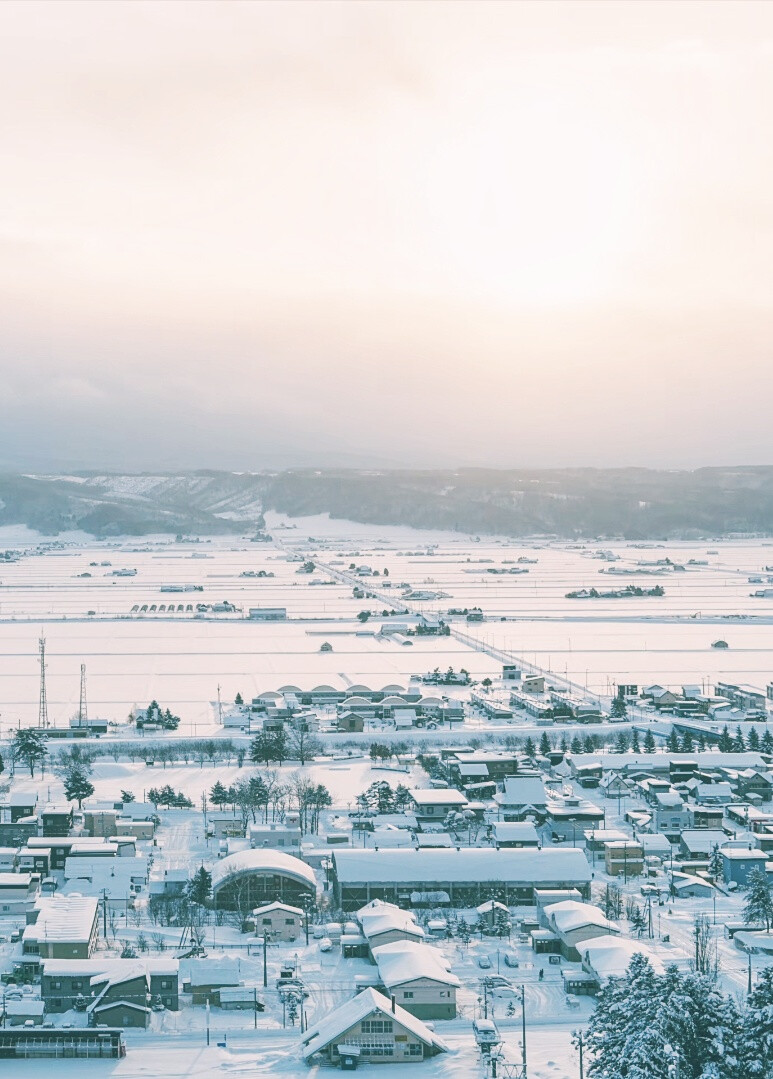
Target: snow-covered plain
180 660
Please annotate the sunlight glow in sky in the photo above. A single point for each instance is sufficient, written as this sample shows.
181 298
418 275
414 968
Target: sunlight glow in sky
255 234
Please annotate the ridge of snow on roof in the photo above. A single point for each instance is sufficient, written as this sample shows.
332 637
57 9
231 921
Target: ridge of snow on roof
519 864
354 1011
406 961
386 918
86 968
276 905
262 860
570 914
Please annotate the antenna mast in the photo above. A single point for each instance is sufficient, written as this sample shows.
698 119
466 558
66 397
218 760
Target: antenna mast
43 705
83 715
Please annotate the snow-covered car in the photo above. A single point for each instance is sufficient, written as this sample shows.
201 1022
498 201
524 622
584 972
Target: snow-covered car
325 944
484 962
497 981
510 960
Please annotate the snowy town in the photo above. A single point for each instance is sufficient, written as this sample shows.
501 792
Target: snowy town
366 877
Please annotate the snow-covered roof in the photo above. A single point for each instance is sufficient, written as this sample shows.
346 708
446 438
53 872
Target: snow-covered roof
63 918
386 918
609 957
708 758
433 796
15 880
570 915
202 972
526 790
703 839
490 906
29 1007
468 864
278 906
406 961
335 1025
88 968
262 860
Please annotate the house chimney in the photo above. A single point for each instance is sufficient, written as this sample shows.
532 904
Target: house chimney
394 1005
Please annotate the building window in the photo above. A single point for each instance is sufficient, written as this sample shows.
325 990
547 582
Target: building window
377 1026
414 1050
289 921
408 995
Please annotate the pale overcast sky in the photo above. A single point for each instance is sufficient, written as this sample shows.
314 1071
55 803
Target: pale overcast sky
254 234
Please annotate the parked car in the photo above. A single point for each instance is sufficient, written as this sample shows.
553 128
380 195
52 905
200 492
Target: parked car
484 962
510 960
325 944
496 981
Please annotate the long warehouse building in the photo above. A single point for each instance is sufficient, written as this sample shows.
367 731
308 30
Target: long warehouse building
459 877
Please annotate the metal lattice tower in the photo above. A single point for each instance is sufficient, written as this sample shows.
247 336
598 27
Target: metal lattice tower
83 714
43 705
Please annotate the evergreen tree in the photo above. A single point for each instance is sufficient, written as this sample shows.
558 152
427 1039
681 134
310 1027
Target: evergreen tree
29 745
576 744
77 785
563 745
200 887
672 742
464 933
621 742
238 700
687 742
753 740
635 747
589 745
702 744
757 1041
759 901
716 864
619 709
544 744
127 797
218 796
739 743
529 748
725 741
638 920
766 742
649 742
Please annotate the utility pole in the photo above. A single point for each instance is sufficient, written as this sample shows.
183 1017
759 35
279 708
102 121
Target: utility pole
255 1005
219 706
82 709
104 913
580 1046
265 952
43 702
523 1024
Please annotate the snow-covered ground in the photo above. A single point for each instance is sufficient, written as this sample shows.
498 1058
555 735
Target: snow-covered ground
549 1051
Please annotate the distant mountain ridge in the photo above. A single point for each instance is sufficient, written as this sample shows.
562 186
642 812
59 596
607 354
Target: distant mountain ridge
630 503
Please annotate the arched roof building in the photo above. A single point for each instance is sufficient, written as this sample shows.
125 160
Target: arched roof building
251 877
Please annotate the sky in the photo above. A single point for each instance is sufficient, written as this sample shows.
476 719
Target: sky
258 235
